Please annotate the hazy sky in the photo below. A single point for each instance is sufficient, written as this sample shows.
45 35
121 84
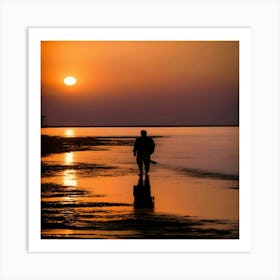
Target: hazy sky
140 83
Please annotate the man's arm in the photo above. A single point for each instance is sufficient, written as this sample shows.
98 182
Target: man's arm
151 146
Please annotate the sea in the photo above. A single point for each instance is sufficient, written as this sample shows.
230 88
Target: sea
91 188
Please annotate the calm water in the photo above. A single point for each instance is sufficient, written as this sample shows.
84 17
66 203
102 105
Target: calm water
195 186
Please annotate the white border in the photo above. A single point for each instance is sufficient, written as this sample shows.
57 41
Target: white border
243 35
262 16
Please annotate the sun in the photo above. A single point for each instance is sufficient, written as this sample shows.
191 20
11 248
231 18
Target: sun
70 81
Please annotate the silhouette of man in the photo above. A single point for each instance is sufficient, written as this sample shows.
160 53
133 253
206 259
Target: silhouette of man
144 146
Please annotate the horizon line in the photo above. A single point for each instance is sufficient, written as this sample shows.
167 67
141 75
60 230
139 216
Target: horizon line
115 126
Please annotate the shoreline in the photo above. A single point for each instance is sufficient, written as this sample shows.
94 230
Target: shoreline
58 144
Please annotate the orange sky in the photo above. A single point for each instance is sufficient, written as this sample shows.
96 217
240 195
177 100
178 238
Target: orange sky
140 83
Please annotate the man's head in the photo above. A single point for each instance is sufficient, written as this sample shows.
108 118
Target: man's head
143 132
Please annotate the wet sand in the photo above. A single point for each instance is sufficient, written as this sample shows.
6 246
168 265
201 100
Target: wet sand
87 197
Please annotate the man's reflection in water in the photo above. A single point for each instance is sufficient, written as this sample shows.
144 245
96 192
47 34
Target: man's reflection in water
142 194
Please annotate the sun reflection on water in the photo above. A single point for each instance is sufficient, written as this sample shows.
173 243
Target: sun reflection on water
69 178
69 132
69 158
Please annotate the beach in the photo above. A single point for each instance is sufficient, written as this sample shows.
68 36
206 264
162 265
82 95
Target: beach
90 184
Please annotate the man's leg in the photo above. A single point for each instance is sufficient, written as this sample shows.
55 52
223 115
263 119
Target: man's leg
147 164
140 163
